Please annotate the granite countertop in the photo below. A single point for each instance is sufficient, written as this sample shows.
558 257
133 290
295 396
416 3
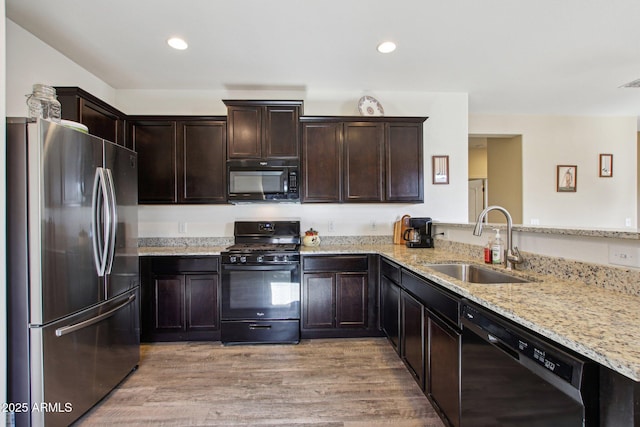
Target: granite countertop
602 324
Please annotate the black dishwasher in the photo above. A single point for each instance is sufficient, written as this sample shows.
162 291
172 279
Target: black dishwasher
510 377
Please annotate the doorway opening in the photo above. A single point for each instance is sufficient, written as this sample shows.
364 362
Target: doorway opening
495 176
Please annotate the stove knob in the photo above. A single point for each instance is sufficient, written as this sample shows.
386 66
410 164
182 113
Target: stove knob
243 259
232 258
259 258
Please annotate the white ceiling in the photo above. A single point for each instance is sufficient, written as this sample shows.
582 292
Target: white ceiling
510 56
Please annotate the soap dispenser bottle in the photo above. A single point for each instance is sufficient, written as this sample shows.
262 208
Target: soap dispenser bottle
497 249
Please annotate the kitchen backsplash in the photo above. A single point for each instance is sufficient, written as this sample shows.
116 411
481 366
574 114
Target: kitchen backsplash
154 242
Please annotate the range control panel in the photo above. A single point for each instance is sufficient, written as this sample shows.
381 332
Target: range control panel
267 258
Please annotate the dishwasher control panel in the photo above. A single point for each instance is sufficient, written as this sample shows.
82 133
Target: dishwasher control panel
504 334
543 357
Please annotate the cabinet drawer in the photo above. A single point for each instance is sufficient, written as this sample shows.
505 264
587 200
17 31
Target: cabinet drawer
389 269
434 299
178 264
335 263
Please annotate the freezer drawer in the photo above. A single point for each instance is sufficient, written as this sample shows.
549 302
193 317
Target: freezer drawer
75 362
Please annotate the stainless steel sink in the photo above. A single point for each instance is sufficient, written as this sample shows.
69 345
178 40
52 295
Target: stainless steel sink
475 274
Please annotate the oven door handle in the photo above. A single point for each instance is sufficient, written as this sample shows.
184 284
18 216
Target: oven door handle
254 267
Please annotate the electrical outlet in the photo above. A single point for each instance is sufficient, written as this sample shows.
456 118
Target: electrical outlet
373 225
535 221
330 226
627 222
624 255
182 227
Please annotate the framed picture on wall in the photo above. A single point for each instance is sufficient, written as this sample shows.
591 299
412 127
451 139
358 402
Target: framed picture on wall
606 165
566 178
440 168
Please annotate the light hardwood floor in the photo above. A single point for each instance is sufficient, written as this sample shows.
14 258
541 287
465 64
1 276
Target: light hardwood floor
339 382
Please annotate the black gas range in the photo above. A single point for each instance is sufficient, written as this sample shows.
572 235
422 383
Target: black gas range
261 283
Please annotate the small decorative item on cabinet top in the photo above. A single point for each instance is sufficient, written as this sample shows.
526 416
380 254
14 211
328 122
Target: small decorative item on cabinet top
369 106
311 238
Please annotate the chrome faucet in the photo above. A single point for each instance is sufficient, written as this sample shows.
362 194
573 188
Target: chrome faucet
513 254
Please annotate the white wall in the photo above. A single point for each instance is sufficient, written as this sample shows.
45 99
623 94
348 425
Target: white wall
29 61
548 141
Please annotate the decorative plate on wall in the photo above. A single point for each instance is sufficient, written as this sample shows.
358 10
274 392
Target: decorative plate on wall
369 106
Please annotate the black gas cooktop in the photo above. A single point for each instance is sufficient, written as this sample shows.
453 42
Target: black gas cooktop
264 242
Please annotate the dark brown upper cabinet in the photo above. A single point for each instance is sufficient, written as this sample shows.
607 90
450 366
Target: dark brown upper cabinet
263 129
404 172
322 162
362 159
362 162
180 159
102 119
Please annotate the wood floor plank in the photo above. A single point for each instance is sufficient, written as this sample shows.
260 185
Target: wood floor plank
324 382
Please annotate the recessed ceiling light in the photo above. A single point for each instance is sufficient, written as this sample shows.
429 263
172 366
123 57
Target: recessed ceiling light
177 43
386 47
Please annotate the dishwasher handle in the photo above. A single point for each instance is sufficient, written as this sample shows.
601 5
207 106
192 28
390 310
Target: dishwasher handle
502 346
492 333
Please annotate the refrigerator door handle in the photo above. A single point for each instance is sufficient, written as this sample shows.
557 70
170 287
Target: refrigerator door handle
113 225
80 325
101 235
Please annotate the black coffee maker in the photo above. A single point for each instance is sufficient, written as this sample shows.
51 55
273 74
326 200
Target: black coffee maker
419 234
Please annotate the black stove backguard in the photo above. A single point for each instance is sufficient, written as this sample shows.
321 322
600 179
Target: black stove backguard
275 232
261 284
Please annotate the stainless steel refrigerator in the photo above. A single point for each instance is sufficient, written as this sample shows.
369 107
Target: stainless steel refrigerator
72 276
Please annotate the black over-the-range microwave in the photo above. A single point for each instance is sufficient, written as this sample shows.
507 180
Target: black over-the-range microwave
262 181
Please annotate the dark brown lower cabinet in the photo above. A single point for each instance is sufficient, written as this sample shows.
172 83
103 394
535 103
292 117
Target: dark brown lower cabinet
335 300
390 311
429 334
412 337
319 291
338 297
444 367
352 300
180 299
167 308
